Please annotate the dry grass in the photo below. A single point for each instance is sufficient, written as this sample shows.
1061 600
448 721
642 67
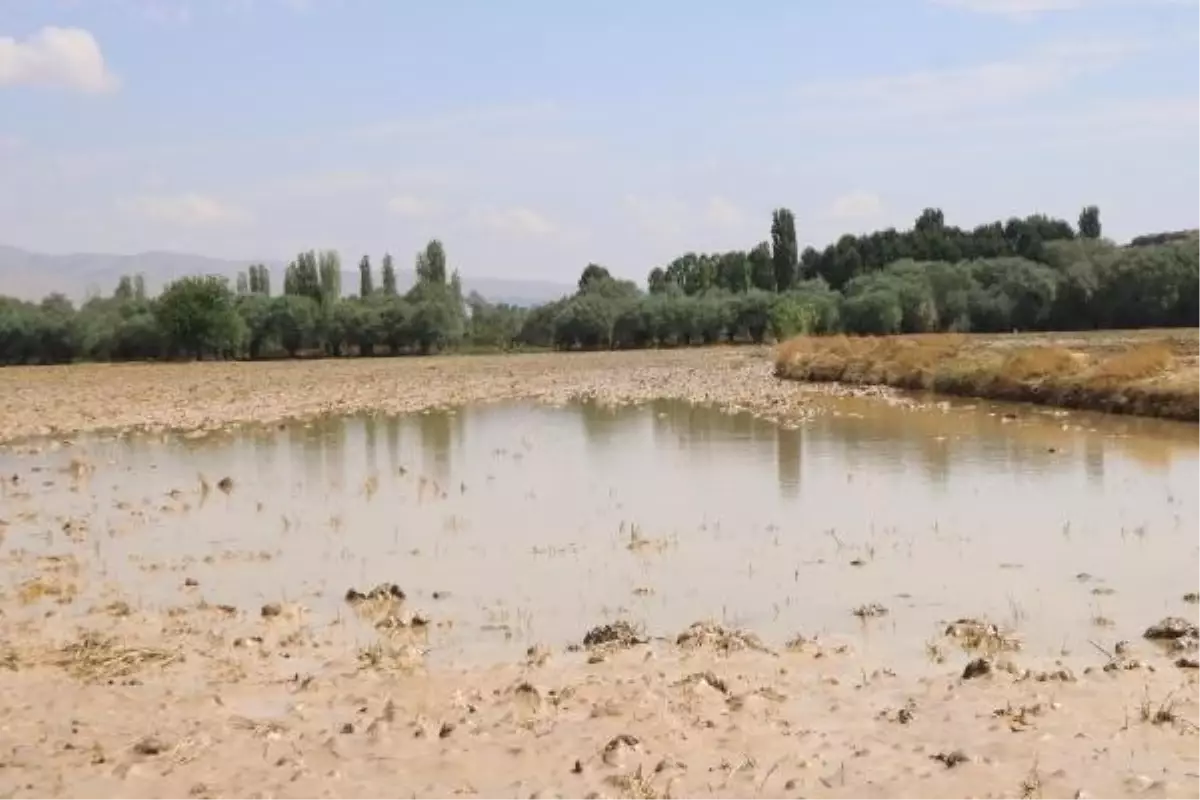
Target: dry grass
1149 373
95 658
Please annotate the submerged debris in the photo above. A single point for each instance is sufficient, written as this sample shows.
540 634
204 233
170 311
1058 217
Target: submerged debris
975 634
870 610
384 591
617 634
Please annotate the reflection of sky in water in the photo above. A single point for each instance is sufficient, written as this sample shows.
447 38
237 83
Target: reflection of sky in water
746 522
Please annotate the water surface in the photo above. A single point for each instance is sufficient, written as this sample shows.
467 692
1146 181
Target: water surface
534 523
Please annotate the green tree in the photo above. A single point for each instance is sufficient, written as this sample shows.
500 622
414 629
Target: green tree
366 281
197 317
431 263
389 276
785 250
591 274
762 267
329 272
1089 222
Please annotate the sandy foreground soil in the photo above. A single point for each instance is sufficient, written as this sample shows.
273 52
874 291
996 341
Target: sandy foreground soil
203 700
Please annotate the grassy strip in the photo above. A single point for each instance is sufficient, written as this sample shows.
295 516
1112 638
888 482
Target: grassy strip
1149 374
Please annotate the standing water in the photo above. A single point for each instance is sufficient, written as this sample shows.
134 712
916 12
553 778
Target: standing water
509 525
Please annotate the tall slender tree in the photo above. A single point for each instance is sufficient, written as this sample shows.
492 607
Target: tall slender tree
389 275
1089 222
785 251
366 281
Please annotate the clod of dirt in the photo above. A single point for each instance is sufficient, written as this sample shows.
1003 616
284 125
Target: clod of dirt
446 729
272 610
618 634
1179 634
870 610
706 677
384 591
1172 628
710 634
225 484
1191 597
976 634
191 582
347 728
977 668
1187 662
149 746
618 747
951 759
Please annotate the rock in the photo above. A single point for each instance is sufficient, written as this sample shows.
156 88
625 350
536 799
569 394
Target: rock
618 747
1187 662
1191 597
191 582
446 729
348 728
225 484
977 668
272 610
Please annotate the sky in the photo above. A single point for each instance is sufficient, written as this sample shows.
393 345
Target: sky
536 136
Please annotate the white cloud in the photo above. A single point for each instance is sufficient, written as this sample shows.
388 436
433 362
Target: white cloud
184 210
406 205
517 221
657 217
856 205
66 57
951 90
1028 9
723 213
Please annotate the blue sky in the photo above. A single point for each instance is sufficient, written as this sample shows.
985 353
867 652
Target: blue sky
535 136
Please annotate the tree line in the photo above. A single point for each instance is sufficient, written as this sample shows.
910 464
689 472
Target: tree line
1035 273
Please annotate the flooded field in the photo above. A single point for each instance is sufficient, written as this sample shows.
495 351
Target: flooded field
871 596
518 524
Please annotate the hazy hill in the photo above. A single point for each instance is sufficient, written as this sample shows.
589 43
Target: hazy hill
31 276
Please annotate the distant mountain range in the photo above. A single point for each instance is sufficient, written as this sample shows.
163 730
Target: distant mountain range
32 276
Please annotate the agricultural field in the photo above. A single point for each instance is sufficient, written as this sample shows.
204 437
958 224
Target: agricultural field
646 574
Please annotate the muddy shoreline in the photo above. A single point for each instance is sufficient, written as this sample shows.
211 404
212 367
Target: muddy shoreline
213 396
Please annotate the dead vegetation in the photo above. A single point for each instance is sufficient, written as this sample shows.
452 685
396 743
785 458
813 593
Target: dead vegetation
1151 374
95 658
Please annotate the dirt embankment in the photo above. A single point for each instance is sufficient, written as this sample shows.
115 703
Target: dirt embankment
62 400
1147 373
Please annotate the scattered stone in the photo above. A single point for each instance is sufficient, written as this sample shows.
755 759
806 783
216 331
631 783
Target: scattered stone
272 610
977 668
225 484
192 582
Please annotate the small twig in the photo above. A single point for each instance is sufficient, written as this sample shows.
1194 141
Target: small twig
1107 654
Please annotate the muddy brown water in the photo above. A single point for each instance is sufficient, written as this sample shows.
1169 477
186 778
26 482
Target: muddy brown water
533 523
